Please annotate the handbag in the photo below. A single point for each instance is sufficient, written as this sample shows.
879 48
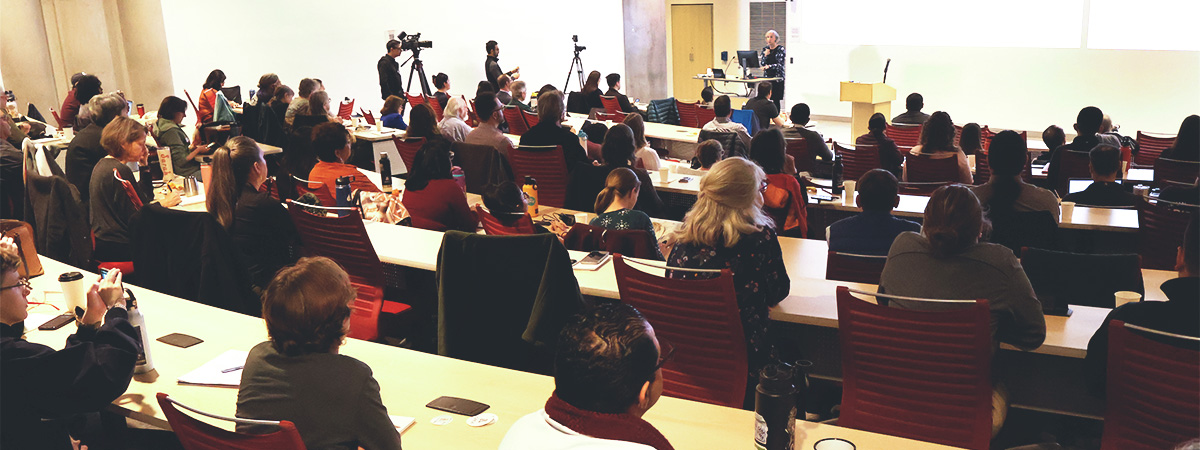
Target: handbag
22 235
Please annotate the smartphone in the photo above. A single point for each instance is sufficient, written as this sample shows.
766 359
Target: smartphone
57 322
458 406
594 258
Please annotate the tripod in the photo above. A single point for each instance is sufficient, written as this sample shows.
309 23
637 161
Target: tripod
419 67
577 67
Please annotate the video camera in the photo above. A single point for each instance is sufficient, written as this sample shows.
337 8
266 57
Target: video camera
575 39
412 42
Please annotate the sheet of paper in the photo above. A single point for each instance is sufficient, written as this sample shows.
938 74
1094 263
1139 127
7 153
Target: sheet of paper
212 372
403 423
36 320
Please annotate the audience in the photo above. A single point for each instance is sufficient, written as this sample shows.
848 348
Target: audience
506 203
913 114
607 374
488 133
300 105
503 94
889 154
872 231
706 97
1176 315
432 197
113 201
614 90
266 89
1006 191
70 105
587 180
812 139
43 388
424 123
721 122
452 126
518 96
1107 133
783 198
708 152
484 86
168 132
763 107
1187 142
549 130
947 261
281 100
726 228
615 203
12 176
298 374
318 105
1054 137
648 156
207 103
971 139
591 90
85 149
937 142
1105 191
86 88
331 143
259 225
392 113
441 82
1087 124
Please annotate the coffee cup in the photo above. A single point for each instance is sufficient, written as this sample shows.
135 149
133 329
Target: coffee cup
1067 209
1141 190
1123 297
848 192
75 289
664 174
833 444
581 218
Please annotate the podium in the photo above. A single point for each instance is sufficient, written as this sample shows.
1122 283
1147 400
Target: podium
866 99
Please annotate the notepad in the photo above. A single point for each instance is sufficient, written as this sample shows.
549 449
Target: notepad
402 423
210 374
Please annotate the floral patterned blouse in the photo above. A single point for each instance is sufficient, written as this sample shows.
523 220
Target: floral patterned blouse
626 219
759 278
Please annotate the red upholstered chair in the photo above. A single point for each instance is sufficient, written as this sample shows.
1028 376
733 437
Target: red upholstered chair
1175 170
700 318
922 189
472 118
1153 399
704 116
904 134
345 109
1072 164
340 235
616 117
192 102
1160 234
632 243
516 120
407 148
414 100
530 118
370 118
854 268
983 171
1150 145
688 114
926 169
194 434
317 188
545 164
923 375
857 160
493 226
610 104
438 108
798 149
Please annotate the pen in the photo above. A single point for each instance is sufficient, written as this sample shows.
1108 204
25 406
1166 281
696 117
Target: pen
232 369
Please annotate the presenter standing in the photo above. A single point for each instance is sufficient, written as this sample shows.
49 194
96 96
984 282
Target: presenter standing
773 58
491 66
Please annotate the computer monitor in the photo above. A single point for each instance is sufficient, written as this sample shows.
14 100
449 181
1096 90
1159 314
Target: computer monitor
748 58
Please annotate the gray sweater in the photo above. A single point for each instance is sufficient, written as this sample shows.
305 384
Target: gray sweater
983 270
332 399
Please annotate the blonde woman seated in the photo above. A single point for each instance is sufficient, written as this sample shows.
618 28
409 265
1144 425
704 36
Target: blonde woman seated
452 125
614 205
937 142
318 105
727 228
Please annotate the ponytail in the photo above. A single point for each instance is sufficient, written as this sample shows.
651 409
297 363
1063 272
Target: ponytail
620 182
953 220
230 173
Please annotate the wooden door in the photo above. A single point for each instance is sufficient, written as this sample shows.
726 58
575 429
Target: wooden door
691 48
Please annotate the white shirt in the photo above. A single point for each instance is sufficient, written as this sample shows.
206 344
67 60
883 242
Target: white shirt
537 431
453 128
649 158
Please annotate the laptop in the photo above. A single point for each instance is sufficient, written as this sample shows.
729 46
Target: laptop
718 73
1078 184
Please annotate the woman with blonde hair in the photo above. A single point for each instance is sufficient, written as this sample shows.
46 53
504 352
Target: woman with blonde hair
727 229
614 204
452 125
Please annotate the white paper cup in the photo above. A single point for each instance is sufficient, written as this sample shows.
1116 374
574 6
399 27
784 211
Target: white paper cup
1123 297
581 218
971 162
664 174
75 287
833 444
848 192
1067 209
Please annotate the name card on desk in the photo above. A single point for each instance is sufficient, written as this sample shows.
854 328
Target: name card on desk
216 372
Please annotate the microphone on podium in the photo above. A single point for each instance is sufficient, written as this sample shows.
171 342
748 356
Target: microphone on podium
885 68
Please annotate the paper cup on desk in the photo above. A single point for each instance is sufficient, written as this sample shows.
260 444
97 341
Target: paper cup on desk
971 162
1067 209
848 192
833 444
74 288
1123 297
1141 190
581 218
664 174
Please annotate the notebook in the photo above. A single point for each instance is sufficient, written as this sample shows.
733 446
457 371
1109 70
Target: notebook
213 372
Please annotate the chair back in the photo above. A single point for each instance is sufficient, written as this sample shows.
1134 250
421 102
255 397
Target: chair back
493 227
483 165
746 117
688 114
663 111
797 148
250 121
407 148
1150 146
316 188
1175 170
923 375
339 234
706 115
857 160
1160 233
194 434
1071 164
1062 278
616 117
530 118
631 243
308 120
367 116
854 268
927 169
233 93
438 108
516 120
547 165
731 143
1153 399
983 170
610 104
345 109
700 318
904 134
1016 230
921 189
414 100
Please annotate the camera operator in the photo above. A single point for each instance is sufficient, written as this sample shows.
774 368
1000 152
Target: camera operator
491 67
389 71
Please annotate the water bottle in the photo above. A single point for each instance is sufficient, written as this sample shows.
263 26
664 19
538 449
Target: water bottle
837 175
385 173
531 195
144 362
775 409
342 191
800 370
460 177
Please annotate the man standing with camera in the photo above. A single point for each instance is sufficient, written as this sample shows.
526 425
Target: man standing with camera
389 71
491 67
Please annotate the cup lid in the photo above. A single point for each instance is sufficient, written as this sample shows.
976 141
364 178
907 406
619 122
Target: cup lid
70 276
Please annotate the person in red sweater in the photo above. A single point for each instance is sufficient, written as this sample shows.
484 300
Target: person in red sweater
208 96
431 196
331 143
70 104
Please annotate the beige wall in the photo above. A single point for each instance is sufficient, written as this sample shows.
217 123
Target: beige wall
731 26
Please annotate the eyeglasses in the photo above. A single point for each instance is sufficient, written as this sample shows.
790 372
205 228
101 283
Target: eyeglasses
666 353
763 187
23 282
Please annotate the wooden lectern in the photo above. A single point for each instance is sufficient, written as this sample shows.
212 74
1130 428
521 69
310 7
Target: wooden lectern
866 99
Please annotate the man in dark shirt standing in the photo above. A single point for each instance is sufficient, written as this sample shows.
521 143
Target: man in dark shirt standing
1104 191
763 107
872 231
913 115
491 66
389 71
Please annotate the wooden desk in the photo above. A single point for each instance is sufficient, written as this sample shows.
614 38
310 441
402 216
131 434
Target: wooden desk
408 380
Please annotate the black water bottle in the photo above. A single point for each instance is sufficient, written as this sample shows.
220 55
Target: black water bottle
804 403
837 175
342 190
775 409
385 173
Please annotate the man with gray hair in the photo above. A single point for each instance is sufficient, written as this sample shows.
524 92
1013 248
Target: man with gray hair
85 150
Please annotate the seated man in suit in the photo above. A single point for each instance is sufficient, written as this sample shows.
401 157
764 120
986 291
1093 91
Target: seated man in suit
1105 165
1176 315
722 122
614 90
607 374
872 231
